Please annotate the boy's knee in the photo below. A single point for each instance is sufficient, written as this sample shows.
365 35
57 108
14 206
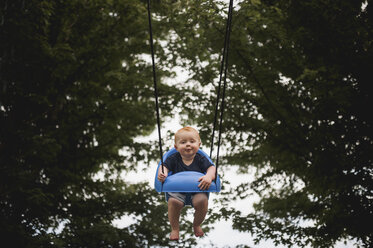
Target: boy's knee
200 201
175 203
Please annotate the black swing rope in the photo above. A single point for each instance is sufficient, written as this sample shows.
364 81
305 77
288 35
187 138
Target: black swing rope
155 86
223 67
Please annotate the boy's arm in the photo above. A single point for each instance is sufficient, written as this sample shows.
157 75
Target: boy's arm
207 179
162 176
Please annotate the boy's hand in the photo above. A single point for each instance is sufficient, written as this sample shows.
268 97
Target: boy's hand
162 176
205 182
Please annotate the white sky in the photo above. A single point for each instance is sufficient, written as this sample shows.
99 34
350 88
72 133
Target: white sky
223 235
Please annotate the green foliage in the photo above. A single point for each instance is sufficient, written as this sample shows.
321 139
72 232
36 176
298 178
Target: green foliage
76 88
296 111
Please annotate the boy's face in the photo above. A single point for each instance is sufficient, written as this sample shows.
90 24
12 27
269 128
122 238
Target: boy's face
187 144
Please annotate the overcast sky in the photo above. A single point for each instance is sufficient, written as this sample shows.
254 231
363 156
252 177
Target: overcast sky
223 235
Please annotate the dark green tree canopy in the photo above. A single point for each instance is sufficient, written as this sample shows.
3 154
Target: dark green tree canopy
76 91
297 112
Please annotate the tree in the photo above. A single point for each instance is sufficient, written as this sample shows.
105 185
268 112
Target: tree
298 83
75 90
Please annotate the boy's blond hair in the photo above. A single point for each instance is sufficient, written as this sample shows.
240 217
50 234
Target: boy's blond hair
186 129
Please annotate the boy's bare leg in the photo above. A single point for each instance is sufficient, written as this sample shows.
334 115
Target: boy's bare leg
174 210
200 204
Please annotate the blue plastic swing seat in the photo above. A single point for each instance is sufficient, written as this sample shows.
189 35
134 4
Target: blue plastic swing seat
186 181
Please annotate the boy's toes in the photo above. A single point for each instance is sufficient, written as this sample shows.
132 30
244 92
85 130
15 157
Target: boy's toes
174 235
198 231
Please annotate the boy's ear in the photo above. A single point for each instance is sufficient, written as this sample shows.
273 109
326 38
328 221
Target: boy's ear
175 146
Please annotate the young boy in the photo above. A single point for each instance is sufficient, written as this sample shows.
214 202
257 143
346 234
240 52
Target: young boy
187 143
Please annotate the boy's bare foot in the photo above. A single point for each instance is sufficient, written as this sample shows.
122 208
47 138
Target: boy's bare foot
198 231
174 235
